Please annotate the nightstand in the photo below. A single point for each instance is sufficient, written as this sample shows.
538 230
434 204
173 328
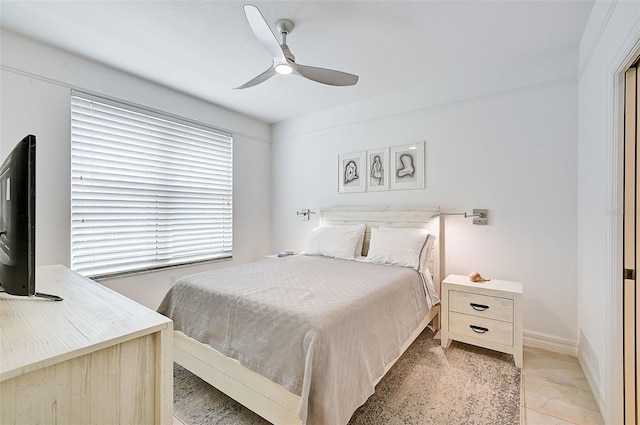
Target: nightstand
487 314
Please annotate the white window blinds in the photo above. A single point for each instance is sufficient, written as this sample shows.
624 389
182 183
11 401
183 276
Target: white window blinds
147 190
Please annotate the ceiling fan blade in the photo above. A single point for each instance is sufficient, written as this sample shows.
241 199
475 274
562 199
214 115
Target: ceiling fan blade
325 76
263 33
259 79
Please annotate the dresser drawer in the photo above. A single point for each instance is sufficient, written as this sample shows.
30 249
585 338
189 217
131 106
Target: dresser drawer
485 329
481 305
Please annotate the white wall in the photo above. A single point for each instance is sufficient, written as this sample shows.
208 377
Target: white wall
35 86
611 35
509 142
512 149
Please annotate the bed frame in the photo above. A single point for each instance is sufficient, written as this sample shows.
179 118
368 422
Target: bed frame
268 399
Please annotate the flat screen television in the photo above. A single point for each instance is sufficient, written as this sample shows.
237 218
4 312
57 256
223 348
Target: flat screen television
18 221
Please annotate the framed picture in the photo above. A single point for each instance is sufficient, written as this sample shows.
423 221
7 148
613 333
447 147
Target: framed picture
378 170
407 166
352 172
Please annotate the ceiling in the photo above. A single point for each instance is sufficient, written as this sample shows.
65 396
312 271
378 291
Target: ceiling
206 48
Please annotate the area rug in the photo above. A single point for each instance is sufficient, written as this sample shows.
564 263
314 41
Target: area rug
462 384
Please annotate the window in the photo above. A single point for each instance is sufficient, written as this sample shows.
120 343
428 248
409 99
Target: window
147 190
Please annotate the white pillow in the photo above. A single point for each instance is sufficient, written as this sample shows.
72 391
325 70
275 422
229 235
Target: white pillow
400 247
335 241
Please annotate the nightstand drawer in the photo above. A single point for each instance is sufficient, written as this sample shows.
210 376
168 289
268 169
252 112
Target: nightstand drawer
481 305
481 328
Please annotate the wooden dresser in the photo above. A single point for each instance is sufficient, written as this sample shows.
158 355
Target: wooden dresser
96 357
487 314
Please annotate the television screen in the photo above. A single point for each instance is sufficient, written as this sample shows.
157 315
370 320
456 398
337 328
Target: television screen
18 221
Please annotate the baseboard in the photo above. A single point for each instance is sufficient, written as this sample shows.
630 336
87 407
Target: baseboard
592 380
548 342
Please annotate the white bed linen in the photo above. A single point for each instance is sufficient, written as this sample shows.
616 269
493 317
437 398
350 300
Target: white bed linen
322 328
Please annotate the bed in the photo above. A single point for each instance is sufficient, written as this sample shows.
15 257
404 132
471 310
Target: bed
305 339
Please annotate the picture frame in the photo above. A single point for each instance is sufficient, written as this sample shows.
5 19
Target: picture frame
378 170
352 172
407 166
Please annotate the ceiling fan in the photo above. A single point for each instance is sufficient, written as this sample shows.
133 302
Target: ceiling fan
283 60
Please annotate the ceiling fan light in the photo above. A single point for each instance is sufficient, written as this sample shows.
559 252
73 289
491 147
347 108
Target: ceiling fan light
284 69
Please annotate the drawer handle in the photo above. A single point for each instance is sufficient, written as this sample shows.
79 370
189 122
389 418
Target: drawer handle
479 329
478 307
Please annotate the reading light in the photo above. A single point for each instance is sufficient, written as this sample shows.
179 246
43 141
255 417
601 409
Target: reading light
479 215
284 69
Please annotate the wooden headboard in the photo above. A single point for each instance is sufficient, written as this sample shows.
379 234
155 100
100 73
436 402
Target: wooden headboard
414 217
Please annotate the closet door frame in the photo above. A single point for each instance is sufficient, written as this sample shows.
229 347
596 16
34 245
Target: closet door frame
630 225
609 391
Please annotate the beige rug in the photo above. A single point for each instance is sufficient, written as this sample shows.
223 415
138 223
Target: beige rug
460 385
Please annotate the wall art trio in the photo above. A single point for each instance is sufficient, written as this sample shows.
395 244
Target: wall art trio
397 167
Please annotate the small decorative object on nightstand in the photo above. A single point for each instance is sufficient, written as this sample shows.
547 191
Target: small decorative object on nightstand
285 253
487 314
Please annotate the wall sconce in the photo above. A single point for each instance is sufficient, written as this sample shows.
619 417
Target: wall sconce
304 214
479 215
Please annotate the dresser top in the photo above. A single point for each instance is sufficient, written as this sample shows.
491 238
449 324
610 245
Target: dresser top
493 284
37 332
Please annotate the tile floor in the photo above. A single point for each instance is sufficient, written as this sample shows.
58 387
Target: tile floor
555 391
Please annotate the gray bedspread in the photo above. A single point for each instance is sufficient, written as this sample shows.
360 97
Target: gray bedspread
322 328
